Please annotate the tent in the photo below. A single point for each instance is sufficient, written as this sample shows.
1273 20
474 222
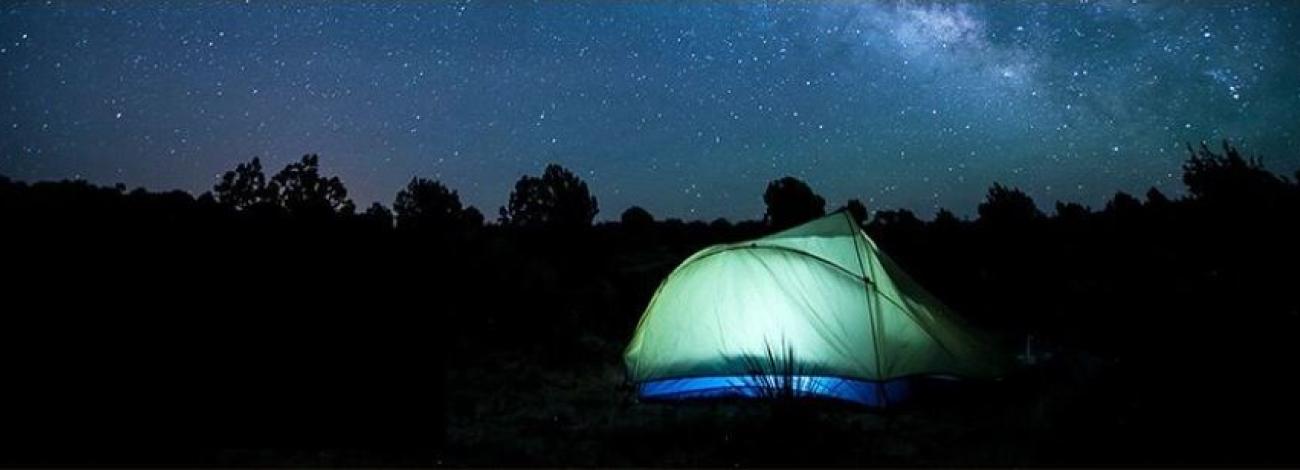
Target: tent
817 310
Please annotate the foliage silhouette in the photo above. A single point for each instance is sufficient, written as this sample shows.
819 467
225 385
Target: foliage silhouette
1072 212
1123 204
244 187
1156 198
300 190
377 217
1229 177
858 210
791 202
427 205
902 219
558 199
1008 206
235 320
637 217
945 220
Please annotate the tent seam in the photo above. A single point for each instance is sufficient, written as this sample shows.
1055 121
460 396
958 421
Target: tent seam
866 288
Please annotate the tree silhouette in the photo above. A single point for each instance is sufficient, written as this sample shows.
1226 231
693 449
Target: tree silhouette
244 187
1155 198
473 218
558 199
857 209
302 191
636 217
946 220
1123 205
791 202
1071 212
1168 268
1229 177
429 205
899 219
377 216
1008 206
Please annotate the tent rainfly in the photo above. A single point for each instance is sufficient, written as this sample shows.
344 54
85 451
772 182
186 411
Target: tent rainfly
817 310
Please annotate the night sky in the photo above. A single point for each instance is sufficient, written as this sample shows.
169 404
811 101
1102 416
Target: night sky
687 109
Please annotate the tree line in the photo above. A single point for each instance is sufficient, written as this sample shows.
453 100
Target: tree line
558 199
270 298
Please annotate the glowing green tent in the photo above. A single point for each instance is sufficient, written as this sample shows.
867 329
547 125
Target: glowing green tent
818 305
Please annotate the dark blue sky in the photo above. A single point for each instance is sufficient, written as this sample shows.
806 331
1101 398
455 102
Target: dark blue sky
687 109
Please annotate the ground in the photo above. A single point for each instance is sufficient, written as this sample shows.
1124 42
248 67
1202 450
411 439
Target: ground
510 409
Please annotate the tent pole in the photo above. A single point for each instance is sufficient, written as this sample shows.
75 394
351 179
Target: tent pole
873 314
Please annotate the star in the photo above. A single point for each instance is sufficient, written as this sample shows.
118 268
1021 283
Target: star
917 104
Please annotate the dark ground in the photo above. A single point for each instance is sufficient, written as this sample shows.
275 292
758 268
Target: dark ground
161 328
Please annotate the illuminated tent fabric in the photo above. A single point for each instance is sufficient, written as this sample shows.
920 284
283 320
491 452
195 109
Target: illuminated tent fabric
817 307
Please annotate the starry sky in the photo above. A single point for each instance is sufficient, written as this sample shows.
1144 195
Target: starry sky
685 108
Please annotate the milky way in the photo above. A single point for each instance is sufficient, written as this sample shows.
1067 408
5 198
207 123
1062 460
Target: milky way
686 109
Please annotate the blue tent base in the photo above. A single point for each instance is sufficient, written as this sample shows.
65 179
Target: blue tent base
863 392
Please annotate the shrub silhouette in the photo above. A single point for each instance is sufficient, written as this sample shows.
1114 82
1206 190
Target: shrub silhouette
1124 205
1008 207
1072 212
377 217
427 205
945 220
1156 198
636 217
1131 294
